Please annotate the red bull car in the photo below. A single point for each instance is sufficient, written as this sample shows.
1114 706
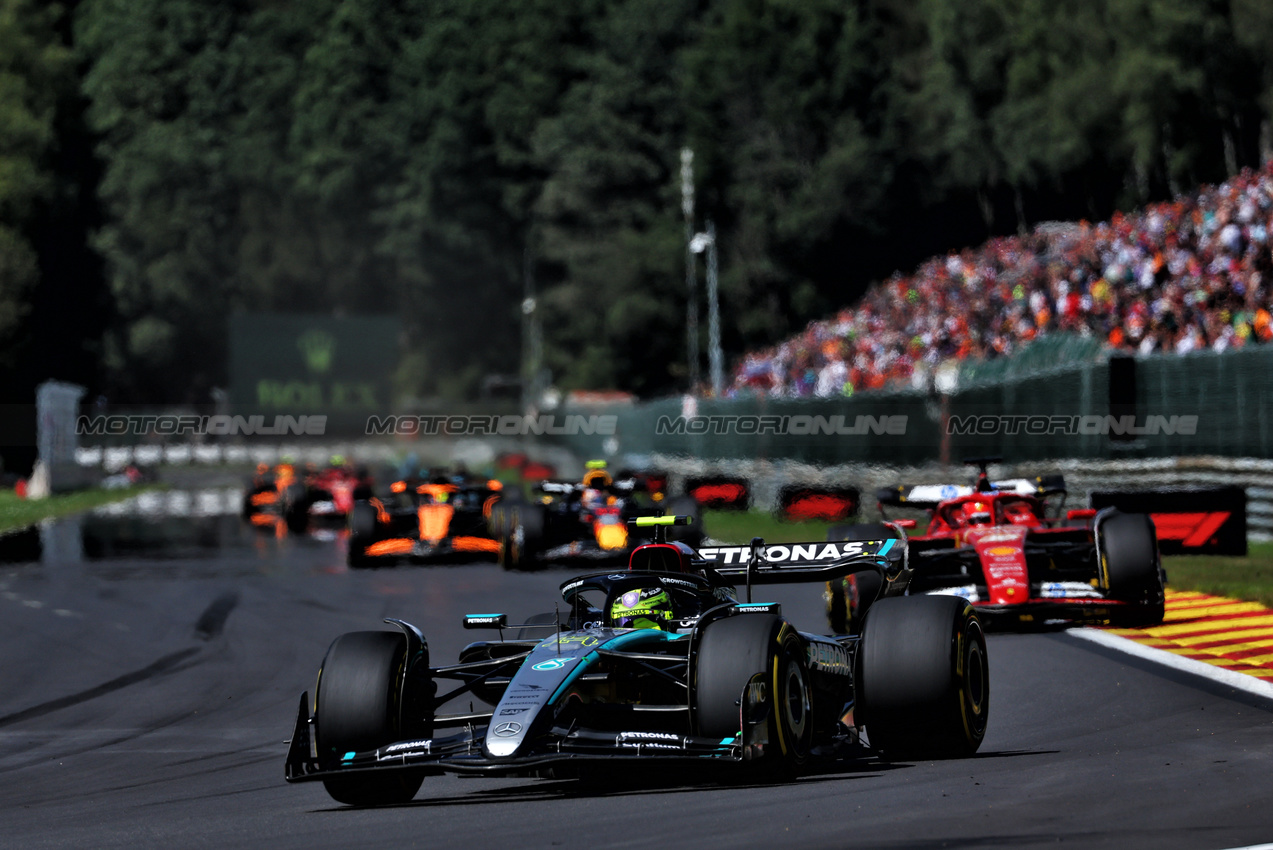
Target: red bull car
583 520
659 667
445 516
1011 549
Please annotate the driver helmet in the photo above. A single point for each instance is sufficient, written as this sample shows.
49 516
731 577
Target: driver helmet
977 513
597 479
646 608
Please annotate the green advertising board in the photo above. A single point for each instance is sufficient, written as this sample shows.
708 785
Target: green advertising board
284 364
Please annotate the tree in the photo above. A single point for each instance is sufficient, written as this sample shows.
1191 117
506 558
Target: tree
36 80
778 97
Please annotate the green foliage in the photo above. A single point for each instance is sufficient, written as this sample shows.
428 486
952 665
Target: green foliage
428 157
35 79
780 110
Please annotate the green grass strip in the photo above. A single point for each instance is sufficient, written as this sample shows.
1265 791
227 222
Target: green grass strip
1249 578
16 512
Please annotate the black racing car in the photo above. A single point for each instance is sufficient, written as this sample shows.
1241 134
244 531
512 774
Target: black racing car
654 664
586 520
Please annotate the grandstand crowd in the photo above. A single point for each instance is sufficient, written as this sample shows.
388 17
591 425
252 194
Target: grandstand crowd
1190 274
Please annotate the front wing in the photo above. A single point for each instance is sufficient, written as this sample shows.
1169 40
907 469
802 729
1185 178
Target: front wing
462 752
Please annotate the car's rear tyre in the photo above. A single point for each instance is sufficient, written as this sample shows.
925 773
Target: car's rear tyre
358 707
849 598
363 528
519 548
692 535
1130 569
500 521
733 650
923 679
296 508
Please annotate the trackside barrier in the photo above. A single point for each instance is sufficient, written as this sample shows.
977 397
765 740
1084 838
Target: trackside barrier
1199 404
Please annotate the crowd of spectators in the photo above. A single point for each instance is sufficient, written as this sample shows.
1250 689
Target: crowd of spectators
1190 274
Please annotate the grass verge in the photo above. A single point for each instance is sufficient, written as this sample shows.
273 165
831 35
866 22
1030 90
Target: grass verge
739 527
16 512
1249 578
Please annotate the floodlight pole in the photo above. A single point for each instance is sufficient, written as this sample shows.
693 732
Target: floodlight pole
691 282
715 360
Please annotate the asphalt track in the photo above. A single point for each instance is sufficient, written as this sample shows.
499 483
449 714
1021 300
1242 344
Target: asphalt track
149 681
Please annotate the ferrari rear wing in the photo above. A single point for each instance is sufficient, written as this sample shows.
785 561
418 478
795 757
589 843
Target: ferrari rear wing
792 563
929 496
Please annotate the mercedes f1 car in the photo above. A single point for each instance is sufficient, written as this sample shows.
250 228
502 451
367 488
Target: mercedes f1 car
1011 549
583 520
444 516
657 664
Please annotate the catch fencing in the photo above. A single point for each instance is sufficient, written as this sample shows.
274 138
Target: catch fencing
1063 400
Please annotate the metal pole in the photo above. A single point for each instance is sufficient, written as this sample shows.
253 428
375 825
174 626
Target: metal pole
716 366
532 335
691 283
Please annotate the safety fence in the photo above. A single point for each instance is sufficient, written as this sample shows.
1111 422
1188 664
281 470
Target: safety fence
1084 405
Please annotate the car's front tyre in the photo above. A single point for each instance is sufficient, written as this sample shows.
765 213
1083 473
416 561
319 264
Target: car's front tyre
359 707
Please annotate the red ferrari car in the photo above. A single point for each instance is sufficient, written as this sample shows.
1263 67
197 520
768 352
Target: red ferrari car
282 496
1011 549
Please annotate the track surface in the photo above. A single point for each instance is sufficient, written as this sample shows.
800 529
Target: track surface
145 700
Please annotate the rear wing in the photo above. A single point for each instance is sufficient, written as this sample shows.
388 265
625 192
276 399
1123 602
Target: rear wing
929 496
792 563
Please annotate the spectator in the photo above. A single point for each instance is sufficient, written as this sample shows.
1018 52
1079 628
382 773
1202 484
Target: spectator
1179 276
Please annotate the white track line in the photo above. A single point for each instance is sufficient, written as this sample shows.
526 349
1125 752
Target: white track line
1241 681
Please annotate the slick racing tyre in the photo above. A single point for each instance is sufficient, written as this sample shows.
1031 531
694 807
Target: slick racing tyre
358 708
730 652
692 534
362 533
500 521
849 598
519 548
296 508
1129 568
923 681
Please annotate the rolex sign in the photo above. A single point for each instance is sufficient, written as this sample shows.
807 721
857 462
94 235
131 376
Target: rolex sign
290 364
